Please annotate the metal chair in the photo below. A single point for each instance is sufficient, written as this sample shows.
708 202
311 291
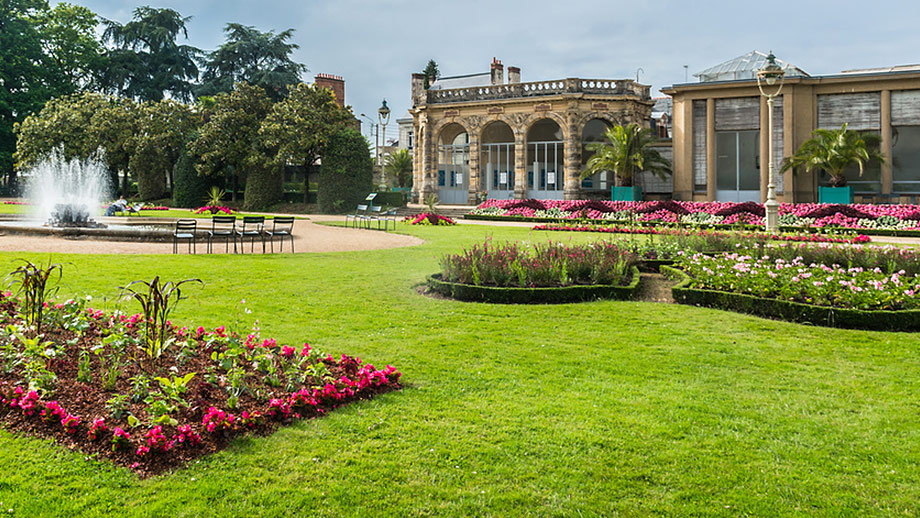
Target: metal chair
282 226
387 217
251 228
373 214
185 229
359 214
222 227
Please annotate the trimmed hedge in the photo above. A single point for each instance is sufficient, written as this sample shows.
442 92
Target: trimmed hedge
390 199
906 320
191 188
347 173
562 295
263 186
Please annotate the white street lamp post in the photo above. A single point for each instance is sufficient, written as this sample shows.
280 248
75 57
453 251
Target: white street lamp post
383 115
771 74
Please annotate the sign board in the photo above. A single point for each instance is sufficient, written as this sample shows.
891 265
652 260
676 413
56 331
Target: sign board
545 107
496 109
551 177
503 178
459 179
451 113
599 106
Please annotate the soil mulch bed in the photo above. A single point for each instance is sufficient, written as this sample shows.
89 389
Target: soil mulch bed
284 384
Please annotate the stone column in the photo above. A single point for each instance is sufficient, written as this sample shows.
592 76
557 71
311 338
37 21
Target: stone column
572 158
885 144
711 149
428 166
520 166
417 173
474 171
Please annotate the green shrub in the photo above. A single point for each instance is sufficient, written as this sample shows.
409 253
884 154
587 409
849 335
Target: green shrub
264 185
190 188
390 199
347 174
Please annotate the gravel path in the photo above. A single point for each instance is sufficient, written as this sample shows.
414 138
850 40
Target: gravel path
308 237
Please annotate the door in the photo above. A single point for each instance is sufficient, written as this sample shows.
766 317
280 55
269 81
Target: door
738 166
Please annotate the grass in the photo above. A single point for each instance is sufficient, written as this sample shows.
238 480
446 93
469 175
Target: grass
592 409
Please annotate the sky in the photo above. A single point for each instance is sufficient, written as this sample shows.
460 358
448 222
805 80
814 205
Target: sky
377 45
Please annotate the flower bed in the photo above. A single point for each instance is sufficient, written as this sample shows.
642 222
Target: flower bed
213 209
800 215
152 207
514 266
428 218
880 320
98 382
615 229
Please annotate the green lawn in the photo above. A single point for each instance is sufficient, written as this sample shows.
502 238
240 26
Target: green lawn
593 409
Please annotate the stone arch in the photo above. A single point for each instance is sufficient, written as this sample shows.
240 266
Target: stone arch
553 116
497 159
449 131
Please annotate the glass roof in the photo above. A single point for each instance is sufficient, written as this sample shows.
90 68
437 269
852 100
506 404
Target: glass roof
744 67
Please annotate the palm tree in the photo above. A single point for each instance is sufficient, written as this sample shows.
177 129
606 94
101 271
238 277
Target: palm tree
400 164
834 151
628 153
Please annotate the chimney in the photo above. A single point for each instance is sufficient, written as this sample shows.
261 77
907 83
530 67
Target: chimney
498 72
514 75
418 89
334 83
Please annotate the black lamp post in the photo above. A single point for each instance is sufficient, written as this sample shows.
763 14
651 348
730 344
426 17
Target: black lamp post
383 116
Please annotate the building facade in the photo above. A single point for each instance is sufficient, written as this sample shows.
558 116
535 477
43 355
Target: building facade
719 128
478 137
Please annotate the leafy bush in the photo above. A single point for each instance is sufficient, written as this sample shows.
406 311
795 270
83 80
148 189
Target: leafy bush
545 265
33 285
347 174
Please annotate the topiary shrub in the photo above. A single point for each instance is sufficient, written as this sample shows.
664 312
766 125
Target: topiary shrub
347 174
264 186
190 188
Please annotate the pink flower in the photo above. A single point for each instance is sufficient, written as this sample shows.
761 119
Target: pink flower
287 352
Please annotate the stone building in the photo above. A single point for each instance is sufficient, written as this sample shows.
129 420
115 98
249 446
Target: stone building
720 130
478 136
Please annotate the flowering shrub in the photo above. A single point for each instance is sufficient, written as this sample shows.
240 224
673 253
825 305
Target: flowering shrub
214 209
814 215
96 429
154 207
120 439
429 219
543 265
799 281
216 420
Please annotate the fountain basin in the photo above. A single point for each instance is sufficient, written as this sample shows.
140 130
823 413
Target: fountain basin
117 229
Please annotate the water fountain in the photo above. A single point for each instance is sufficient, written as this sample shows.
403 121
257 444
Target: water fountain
65 196
66 193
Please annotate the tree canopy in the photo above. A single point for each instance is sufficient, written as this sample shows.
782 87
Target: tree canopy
145 62
259 58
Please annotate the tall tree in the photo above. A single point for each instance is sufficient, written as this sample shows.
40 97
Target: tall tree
627 152
251 56
146 63
298 128
164 128
23 78
228 144
74 55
